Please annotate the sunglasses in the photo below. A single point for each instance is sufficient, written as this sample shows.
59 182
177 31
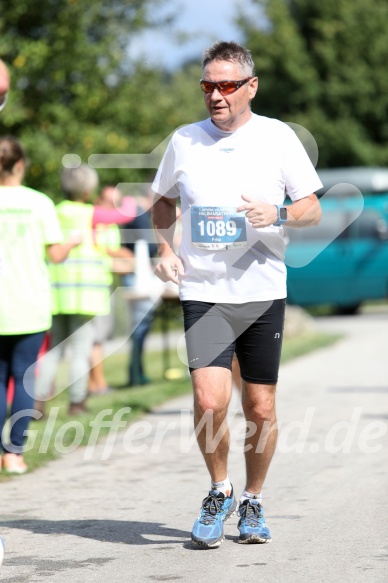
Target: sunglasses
224 87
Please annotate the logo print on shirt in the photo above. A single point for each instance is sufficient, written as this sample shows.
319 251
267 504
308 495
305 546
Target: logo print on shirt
227 150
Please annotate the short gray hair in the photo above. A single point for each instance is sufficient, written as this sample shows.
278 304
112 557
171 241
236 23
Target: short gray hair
230 51
77 182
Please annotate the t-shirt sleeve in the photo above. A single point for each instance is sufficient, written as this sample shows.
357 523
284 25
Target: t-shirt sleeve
165 182
52 232
301 178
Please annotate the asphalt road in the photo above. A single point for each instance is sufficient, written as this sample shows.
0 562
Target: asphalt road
123 510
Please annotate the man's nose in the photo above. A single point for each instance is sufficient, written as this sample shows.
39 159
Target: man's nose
217 91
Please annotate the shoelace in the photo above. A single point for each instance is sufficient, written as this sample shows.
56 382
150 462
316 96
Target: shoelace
210 506
252 513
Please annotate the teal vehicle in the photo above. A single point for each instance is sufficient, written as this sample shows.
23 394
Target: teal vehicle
343 261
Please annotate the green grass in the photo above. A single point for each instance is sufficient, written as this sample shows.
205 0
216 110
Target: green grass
305 343
61 432
330 310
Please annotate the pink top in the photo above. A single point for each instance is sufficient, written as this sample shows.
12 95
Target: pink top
124 214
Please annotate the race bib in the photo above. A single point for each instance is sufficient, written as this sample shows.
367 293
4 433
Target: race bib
217 228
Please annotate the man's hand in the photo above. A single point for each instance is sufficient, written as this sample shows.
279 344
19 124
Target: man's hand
169 268
75 238
259 214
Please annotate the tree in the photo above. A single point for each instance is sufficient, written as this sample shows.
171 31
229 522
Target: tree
322 64
73 87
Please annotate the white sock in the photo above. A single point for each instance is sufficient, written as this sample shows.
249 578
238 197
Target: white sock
250 496
225 486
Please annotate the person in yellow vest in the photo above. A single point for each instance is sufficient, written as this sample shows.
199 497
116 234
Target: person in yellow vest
80 287
29 231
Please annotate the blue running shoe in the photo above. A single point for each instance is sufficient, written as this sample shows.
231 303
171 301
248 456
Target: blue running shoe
252 525
208 529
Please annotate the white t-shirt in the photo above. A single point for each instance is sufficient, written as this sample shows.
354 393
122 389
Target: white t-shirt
28 222
209 170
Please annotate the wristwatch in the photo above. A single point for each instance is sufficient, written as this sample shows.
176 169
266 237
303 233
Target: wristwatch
282 216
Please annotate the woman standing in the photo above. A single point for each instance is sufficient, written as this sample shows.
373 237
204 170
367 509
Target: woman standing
29 232
4 88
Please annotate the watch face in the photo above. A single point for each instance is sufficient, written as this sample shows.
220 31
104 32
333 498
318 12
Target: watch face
283 213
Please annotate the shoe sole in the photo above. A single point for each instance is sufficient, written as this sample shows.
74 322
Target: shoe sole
254 539
204 545
217 543
14 470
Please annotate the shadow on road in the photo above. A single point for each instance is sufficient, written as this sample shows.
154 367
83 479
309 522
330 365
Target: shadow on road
114 531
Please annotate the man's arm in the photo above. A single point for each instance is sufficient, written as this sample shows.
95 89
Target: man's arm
170 266
58 252
301 213
123 260
304 212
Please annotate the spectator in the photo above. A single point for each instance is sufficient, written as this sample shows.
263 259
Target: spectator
29 229
120 260
4 87
80 287
142 309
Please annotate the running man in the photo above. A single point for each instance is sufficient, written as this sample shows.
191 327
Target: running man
232 173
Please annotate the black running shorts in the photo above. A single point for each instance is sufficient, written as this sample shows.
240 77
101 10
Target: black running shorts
254 331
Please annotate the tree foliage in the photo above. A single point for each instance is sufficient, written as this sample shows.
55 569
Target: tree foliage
323 64
74 89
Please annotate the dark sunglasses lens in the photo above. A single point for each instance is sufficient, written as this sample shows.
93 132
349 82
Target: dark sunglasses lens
207 86
224 87
228 87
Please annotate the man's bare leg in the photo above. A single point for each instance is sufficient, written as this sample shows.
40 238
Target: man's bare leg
212 388
259 407
212 391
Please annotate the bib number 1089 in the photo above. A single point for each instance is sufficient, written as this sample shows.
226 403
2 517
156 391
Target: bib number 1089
217 228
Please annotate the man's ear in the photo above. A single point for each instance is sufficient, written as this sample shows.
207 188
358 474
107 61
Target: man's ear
253 87
19 168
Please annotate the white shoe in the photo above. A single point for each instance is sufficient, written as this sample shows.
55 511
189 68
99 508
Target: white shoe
14 464
1 550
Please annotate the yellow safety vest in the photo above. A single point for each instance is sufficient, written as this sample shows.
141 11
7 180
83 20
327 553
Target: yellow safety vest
81 284
107 236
